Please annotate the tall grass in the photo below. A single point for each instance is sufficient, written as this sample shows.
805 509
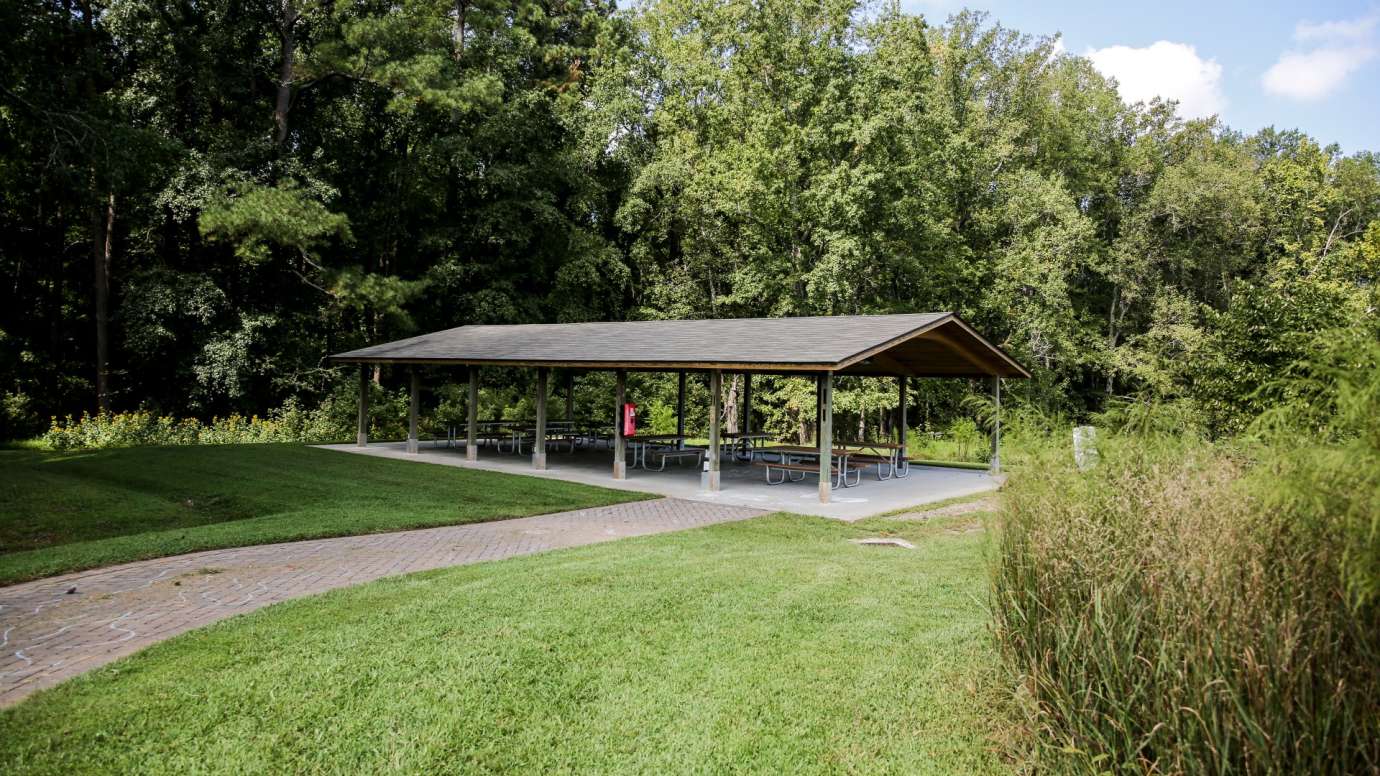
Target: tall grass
1185 607
1162 613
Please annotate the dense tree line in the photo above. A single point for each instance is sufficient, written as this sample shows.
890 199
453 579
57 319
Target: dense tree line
200 200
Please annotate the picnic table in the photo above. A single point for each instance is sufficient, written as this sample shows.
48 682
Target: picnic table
641 443
515 433
594 433
455 432
742 443
885 455
522 433
488 432
796 461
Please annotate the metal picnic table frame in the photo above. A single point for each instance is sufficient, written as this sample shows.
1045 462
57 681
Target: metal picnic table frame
890 454
790 455
741 444
518 433
639 445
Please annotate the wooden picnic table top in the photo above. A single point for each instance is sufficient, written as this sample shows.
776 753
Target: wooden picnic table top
877 445
801 450
507 424
520 426
745 435
655 437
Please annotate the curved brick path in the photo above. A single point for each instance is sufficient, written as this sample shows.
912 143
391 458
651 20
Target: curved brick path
48 634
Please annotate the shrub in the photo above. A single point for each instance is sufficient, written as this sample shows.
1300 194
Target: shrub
659 417
133 429
333 420
17 417
966 437
139 428
1182 608
1025 430
1326 439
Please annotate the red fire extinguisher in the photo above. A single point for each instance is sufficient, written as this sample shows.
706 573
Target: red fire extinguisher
629 419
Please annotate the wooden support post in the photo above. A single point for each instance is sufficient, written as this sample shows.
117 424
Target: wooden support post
414 399
902 421
362 437
819 407
716 380
747 404
570 397
620 464
539 436
472 418
680 409
996 426
826 435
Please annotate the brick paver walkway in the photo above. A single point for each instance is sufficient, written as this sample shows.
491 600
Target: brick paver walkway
48 634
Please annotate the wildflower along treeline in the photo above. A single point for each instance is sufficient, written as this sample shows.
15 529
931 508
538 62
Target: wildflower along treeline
141 427
333 420
133 429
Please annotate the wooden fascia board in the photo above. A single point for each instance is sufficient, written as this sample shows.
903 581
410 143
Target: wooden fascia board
635 366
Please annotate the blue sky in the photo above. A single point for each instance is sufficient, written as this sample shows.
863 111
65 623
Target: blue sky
1311 66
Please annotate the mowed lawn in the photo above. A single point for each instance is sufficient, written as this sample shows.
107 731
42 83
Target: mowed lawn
770 646
63 512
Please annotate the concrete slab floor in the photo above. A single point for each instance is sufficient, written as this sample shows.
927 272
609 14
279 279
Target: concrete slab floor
741 484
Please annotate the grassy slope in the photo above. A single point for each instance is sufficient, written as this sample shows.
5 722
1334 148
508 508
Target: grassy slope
64 512
771 646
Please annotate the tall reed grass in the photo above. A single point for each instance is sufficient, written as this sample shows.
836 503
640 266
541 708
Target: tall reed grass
1196 608
1168 612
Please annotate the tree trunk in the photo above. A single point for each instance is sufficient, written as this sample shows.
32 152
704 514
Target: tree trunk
55 282
731 407
287 32
1112 334
102 229
457 31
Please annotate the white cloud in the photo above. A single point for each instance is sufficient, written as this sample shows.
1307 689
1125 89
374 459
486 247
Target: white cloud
1339 48
1313 75
1354 29
1173 71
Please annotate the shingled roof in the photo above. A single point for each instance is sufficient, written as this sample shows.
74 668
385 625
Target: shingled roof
917 345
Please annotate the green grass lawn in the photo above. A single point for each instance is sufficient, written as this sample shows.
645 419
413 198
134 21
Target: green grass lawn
67 511
769 646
